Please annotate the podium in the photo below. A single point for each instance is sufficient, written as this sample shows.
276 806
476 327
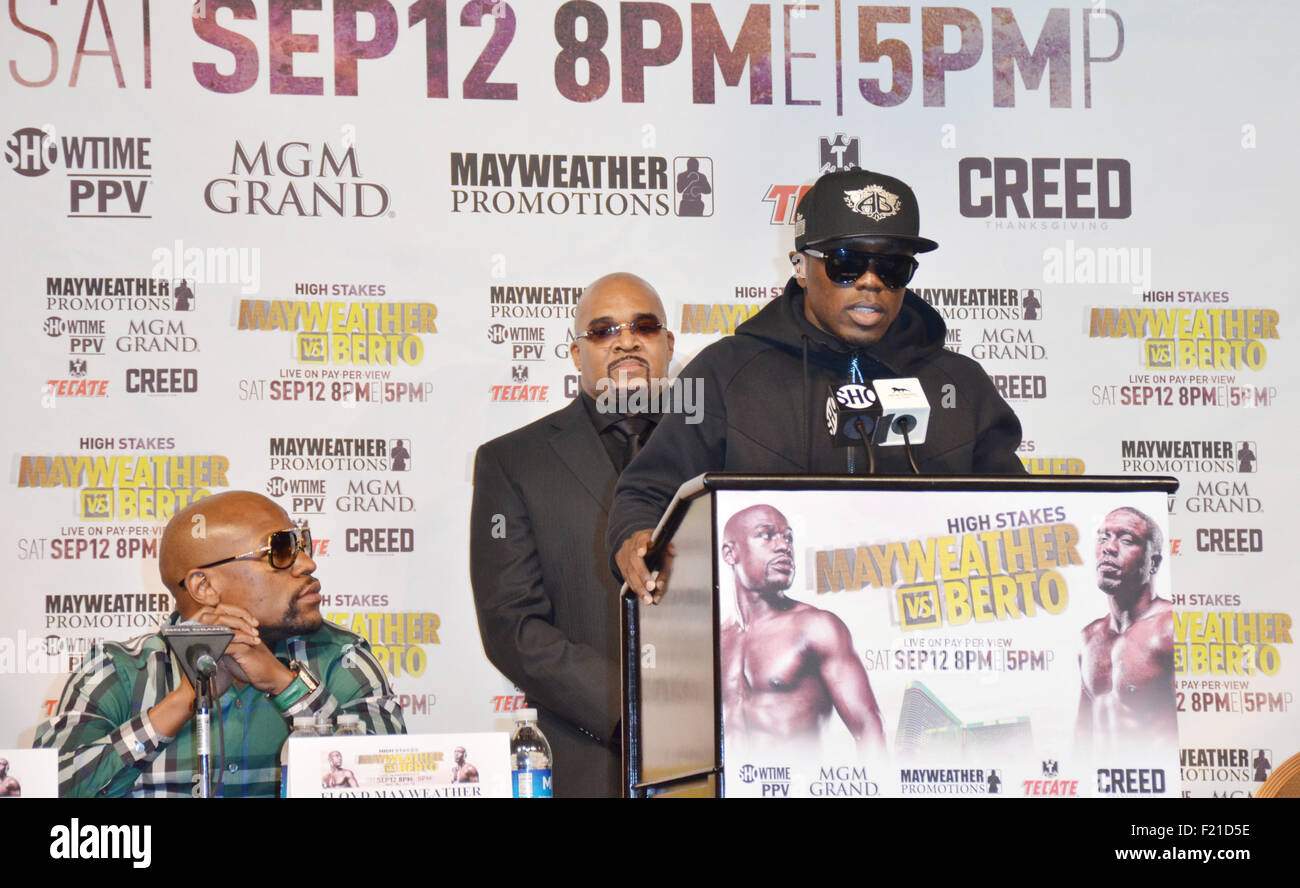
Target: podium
965 598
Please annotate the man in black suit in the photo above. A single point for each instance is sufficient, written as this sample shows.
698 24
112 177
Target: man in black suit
547 605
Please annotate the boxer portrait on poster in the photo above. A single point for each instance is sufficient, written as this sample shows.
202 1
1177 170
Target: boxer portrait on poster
1126 661
786 664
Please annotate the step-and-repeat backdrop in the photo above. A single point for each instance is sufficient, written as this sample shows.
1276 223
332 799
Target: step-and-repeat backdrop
322 249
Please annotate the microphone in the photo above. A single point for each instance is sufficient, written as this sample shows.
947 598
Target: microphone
199 655
848 407
203 664
198 647
904 411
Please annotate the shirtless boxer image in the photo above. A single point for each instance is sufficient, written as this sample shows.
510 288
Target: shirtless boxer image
338 775
9 788
462 771
786 664
1127 659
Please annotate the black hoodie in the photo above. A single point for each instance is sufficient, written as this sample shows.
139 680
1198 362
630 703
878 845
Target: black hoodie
763 393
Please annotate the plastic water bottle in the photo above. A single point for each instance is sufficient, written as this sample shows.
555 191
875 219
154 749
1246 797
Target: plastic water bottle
324 725
530 758
303 726
349 725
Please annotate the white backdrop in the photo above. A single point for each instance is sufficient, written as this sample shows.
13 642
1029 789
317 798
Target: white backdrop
136 160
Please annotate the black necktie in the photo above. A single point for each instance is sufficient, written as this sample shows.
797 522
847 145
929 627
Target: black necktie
632 429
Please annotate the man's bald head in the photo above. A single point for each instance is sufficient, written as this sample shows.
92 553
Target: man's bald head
213 528
619 298
739 524
759 545
611 286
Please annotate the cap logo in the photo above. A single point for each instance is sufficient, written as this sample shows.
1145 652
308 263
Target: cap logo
874 202
800 225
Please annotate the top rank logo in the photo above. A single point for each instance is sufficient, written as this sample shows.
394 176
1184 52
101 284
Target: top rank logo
838 154
842 152
108 176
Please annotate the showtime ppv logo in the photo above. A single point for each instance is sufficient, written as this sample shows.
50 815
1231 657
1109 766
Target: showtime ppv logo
526 343
306 495
85 337
108 176
773 781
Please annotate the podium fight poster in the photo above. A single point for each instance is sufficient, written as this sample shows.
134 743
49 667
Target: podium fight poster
882 643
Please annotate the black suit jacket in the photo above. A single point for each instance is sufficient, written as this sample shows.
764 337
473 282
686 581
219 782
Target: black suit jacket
547 604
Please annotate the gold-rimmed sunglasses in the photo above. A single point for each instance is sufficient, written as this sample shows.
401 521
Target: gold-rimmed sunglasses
281 548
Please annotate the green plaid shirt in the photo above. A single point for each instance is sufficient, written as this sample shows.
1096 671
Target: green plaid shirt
107 746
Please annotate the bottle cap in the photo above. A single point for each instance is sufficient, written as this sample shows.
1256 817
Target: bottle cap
523 715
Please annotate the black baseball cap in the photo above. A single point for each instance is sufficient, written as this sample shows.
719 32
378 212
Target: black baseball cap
859 203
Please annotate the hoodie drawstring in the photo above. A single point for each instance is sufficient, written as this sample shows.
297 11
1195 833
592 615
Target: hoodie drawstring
807 417
855 375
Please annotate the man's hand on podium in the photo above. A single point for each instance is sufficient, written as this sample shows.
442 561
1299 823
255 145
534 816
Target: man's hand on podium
646 584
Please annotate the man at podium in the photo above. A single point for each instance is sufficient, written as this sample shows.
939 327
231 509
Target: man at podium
846 317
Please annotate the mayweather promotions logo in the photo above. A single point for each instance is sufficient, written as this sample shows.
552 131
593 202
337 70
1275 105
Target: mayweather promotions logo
595 185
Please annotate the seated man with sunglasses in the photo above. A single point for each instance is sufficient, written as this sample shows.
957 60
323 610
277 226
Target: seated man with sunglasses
124 724
547 604
846 316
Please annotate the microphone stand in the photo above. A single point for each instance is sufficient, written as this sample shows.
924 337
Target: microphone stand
203 733
197 648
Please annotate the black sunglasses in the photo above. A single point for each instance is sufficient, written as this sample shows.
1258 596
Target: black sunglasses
845 266
281 549
607 331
